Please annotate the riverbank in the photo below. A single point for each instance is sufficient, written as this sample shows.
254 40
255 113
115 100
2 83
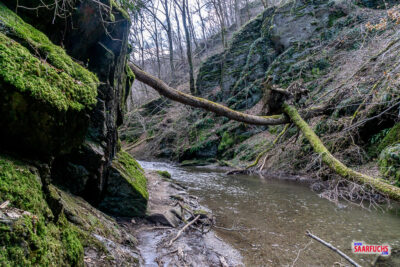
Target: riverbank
165 219
266 219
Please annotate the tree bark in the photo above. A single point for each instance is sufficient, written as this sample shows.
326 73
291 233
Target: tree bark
293 115
188 49
169 35
334 164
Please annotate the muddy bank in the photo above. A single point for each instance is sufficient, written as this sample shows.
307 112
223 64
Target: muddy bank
198 245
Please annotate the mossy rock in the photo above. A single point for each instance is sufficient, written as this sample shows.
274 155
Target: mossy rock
164 174
46 96
126 191
389 163
36 238
42 69
392 137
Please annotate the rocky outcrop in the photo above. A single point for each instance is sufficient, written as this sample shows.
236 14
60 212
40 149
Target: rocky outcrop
235 76
46 96
62 98
126 194
96 34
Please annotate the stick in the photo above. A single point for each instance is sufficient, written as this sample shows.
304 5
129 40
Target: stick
4 204
223 261
183 229
308 233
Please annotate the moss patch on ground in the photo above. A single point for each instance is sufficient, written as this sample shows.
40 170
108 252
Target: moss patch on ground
34 238
164 174
34 65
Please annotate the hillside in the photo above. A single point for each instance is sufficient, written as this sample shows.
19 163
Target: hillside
336 52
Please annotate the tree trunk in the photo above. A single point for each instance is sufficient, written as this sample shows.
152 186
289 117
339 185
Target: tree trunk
334 164
179 34
169 35
294 116
188 50
203 25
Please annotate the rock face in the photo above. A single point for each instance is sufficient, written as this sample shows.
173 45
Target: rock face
62 99
240 70
99 39
45 104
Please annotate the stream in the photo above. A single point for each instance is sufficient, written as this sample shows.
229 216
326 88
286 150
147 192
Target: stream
266 219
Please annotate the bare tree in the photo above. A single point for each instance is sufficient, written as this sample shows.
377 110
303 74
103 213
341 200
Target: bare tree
184 10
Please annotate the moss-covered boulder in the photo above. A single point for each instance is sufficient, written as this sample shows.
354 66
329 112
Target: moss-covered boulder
30 233
46 96
126 190
389 163
392 137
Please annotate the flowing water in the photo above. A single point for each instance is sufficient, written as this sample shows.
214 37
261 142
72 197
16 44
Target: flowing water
267 218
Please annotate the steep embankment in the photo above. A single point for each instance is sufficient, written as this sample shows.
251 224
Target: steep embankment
61 107
332 52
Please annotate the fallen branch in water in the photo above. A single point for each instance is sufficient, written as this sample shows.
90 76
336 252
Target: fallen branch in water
183 229
308 233
300 250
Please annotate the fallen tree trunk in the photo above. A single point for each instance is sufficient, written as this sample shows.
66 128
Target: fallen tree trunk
219 109
292 115
334 164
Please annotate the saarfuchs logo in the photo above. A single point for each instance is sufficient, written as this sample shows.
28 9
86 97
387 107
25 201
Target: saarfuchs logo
360 247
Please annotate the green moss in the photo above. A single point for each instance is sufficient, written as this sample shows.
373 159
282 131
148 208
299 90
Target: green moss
226 142
50 75
34 239
389 163
130 75
164 174
73 246
134 173
124 13
392 137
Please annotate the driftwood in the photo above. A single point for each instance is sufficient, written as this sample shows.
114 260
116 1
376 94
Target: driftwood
183 229
4 204
223 261
308 233
291 114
